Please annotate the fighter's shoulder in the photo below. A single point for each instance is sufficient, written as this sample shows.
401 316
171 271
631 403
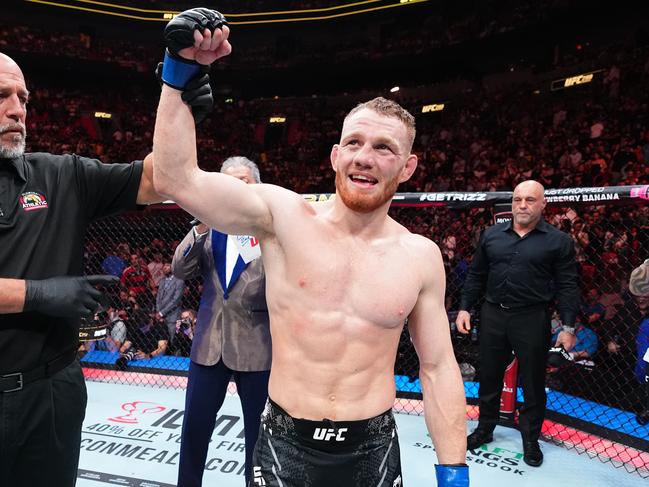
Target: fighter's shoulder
420 245
273 192
277 197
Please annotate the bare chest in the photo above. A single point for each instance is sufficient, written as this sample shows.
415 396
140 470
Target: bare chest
376 284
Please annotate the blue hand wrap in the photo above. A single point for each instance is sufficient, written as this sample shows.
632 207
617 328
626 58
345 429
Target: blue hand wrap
176 72
452 475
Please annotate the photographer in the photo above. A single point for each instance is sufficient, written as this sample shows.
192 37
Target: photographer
145 339
182 342
105 323
115 331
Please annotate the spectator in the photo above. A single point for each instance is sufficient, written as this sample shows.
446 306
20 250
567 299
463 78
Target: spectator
113 264
639 287
620 354
642 348
156 268
593 311
125 302
115 331
137 279
185 326
611 298
579 234
168 299
145 339
642 369
586 344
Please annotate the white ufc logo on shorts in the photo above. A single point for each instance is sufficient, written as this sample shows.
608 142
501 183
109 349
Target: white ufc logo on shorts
257 477
326 434
397 482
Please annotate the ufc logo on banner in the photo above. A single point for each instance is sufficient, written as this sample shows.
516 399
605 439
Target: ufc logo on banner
326 434
257 478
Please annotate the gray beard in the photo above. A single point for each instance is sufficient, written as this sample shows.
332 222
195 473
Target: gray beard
16 147
12 152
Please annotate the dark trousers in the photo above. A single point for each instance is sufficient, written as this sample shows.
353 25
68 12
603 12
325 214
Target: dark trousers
526 331
40 430
206 389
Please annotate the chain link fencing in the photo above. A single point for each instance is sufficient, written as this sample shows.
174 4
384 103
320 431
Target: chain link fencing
598 403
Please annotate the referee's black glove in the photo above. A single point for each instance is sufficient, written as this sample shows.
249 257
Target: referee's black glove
66 296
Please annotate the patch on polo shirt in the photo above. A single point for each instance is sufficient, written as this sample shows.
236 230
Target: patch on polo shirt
33 201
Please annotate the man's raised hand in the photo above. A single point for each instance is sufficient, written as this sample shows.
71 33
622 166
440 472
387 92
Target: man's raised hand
199 35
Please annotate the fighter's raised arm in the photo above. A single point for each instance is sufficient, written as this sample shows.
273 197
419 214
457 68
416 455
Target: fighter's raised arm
196 38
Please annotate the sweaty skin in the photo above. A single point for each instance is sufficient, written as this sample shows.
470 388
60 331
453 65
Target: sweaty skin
337 312
341 276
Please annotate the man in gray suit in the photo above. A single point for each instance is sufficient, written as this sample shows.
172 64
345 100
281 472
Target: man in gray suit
232 335
169 298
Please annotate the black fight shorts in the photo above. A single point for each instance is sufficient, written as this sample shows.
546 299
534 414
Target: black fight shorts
294 452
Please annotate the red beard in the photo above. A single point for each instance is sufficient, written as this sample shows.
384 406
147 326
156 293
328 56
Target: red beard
361 202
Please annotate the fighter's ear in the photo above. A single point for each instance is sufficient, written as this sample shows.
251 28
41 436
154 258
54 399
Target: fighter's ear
334 156
408 168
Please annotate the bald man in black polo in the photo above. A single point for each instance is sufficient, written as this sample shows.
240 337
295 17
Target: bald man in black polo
522 265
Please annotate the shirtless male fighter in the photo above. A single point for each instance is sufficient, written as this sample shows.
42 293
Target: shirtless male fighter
342 277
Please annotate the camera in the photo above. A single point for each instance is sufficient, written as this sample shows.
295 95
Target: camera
124 359
97 329
185 324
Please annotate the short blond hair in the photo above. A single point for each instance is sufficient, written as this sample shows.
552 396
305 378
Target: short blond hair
389 108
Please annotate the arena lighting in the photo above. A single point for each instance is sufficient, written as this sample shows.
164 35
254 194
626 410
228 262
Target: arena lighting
569 82
394 89
103 115
229 100
249 18
435 107
277 119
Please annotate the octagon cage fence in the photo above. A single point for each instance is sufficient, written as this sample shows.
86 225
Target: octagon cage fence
598 404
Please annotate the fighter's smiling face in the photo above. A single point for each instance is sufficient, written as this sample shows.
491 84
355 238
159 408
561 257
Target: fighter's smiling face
371 160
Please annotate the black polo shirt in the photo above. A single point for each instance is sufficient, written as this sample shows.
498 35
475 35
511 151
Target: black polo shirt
524 271
46 204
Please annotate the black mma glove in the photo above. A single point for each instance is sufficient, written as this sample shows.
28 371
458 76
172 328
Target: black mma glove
179 32
178 35
197 93
66 296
